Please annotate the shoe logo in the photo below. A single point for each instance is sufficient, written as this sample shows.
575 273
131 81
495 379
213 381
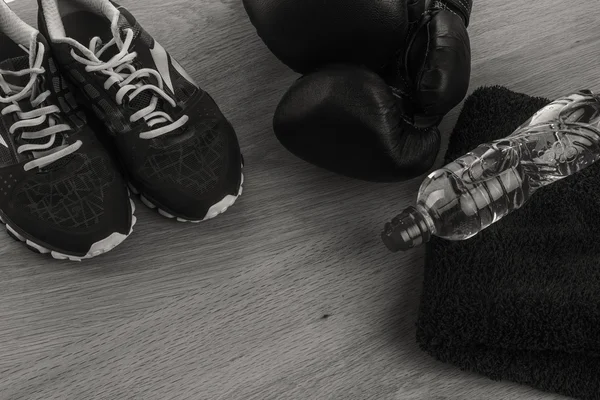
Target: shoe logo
3 142
161 59
183 72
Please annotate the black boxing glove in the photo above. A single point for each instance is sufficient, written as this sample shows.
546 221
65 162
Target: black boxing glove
437 66
307 34
373 114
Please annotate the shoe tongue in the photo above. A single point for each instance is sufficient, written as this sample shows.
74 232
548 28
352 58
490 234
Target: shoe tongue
14 57
126 22
19 61
119 29
16 64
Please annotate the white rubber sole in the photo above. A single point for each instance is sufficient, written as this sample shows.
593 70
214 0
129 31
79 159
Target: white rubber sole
217 209
103 246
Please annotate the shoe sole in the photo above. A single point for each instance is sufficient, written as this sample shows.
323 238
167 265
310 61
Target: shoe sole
98 248
215 210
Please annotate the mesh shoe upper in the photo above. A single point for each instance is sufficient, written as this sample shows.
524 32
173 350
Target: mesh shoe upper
71 196
194 165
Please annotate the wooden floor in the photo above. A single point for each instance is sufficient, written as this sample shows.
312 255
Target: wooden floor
290 294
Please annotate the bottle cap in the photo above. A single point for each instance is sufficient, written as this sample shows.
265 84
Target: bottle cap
407 230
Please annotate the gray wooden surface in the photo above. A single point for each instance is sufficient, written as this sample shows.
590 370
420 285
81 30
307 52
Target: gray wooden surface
290 294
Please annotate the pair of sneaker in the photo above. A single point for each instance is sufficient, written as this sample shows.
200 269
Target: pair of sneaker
90 107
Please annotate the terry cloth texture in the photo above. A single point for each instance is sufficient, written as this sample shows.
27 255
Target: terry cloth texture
520 301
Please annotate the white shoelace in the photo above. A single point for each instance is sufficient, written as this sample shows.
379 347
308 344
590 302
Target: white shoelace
45 154
120 70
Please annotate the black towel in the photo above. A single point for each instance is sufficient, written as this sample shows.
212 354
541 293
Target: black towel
520 301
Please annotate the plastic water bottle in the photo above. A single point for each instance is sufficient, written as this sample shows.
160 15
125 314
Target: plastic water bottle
466 196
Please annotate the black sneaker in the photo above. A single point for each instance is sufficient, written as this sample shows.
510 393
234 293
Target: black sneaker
60 192
177 148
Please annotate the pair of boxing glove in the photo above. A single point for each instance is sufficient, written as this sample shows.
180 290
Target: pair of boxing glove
378 77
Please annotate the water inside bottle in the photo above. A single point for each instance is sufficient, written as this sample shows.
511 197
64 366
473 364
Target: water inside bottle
486 184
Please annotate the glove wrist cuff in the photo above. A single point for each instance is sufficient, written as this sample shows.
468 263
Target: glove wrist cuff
461 7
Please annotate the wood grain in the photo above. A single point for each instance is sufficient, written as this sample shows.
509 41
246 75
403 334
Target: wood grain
290 294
